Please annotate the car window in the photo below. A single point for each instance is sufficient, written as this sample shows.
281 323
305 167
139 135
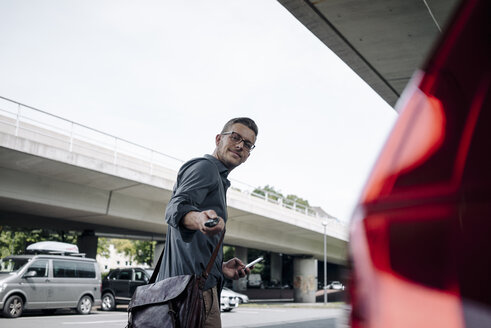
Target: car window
113 274
64 269
149 272
12 264
41 268
85 270
124 275
68 269
139 275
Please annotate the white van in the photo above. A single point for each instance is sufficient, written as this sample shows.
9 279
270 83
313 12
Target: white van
48 282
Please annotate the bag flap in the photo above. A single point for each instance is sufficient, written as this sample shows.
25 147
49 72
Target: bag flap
159 292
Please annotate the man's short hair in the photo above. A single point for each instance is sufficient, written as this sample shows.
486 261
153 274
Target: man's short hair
242 120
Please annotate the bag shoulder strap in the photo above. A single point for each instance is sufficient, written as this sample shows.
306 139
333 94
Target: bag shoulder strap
215 252
213 256
157 268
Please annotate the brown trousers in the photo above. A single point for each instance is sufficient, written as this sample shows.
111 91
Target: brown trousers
212 306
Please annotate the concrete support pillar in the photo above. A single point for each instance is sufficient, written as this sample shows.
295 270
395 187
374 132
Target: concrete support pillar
87 243
241 254
304 280
159 248
276 267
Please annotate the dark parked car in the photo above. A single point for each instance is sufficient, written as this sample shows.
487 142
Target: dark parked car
120 284
421 234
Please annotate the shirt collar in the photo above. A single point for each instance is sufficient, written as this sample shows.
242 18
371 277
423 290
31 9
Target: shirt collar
221 167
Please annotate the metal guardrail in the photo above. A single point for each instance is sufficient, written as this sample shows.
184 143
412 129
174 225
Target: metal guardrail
19 119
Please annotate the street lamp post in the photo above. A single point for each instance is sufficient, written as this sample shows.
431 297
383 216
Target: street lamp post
324 223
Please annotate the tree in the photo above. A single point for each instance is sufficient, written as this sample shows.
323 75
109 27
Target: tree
261 267
272 193
103 247
14 242
138 250
124 246
275 195
144 251
228 253
291 199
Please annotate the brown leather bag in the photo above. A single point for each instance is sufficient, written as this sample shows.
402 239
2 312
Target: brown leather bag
175 302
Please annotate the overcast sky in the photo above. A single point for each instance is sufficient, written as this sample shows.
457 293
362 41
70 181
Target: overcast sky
168 75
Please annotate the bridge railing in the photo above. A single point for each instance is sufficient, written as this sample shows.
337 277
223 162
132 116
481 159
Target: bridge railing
31 123
274 198
332 223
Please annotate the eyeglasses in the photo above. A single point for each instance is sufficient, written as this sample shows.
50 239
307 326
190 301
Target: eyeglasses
237 138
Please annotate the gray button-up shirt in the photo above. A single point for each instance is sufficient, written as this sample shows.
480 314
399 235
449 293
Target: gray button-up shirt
201 185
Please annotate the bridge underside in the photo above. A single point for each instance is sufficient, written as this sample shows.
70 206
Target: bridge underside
383 41
37 192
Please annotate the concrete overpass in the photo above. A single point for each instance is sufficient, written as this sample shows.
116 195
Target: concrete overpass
57 174
383 41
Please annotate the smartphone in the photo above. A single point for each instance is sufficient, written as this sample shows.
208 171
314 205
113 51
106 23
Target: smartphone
211 223
259 259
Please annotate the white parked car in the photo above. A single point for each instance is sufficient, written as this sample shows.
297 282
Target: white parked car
242 297
335 285
228 301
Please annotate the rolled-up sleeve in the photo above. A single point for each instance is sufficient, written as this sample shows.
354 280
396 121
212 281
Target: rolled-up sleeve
194 182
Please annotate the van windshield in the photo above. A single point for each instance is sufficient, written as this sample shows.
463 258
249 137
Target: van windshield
8 265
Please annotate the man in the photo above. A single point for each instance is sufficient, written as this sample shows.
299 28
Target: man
200 195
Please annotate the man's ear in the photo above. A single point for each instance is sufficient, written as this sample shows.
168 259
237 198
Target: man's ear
218 138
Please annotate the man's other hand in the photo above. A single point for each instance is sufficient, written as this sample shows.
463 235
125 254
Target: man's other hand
234 269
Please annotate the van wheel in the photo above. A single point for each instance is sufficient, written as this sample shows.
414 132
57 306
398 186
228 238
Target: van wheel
84 305
13 307
108 302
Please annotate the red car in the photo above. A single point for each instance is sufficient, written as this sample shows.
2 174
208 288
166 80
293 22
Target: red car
420 237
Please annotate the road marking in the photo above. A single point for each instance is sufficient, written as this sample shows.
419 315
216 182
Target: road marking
255 312
93 322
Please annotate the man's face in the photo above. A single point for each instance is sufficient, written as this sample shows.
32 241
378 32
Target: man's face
231 152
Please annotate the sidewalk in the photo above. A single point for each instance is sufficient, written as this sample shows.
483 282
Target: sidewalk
266 304
273 295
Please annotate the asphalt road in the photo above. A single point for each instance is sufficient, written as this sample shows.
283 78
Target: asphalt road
280 316
241 317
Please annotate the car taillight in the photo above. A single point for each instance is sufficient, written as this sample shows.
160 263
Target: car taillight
405 270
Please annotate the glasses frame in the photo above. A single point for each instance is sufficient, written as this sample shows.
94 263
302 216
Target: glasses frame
241 139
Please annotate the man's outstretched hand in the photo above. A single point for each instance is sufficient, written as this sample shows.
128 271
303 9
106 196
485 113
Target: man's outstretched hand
196 221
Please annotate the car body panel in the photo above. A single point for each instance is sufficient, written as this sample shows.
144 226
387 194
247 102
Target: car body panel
228 300
243 298
335 285
122 283
48 289
418 233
